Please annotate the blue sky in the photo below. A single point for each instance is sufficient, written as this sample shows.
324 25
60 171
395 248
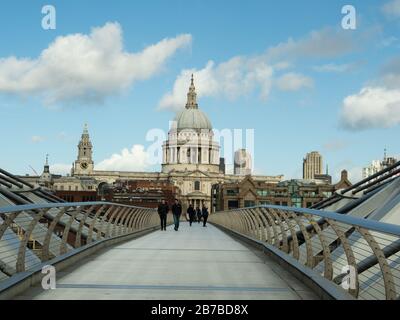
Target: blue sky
286 69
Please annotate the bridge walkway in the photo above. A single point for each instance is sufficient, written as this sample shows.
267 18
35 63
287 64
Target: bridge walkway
193 263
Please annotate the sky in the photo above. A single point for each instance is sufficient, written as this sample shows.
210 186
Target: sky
286 69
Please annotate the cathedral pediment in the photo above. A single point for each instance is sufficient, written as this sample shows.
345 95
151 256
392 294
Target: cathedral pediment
196 173
197 194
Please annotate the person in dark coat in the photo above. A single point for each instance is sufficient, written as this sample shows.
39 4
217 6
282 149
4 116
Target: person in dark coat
204 212
191 214
176 212
162 212
198 213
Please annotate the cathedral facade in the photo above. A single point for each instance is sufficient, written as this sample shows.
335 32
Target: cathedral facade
191 160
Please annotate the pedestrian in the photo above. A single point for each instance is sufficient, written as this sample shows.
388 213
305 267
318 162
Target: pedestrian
162 212
191 214
176 212
204 212
198 213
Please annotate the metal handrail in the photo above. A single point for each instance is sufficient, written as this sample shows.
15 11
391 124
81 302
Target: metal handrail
327 243
374 225
31 234
25 207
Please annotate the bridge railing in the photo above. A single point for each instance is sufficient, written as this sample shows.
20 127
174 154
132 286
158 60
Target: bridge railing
33 234
357 255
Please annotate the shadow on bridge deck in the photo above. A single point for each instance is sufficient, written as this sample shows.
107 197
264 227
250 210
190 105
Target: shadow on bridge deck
193 263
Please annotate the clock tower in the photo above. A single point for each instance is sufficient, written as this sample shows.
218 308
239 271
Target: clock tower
84 164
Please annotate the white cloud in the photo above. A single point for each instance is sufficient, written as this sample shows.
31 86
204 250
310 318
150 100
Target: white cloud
242 75
86 68
37 139
136 159
372 107
390 74
283 65
392 8
294 81
335 68
324 43
60 168
231 79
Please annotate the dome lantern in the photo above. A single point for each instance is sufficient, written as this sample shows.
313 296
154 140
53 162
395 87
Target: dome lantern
192 96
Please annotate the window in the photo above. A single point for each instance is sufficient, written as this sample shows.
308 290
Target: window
296 202
293 188
249 203
262 193
231 192
233 204
76 188
197 185
263 203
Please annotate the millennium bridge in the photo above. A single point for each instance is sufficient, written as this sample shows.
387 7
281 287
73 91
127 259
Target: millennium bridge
345 247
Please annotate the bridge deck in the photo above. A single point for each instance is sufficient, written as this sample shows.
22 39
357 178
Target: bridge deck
193 263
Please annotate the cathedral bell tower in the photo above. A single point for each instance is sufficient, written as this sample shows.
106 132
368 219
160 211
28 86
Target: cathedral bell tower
84 164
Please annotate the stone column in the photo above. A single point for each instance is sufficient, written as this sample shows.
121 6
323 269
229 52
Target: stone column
169 152
183 156
173 155
165 154
193 155
212 156
205 156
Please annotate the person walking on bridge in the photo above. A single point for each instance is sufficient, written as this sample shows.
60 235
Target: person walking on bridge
204 212
162 212
191 214
198 213
176 212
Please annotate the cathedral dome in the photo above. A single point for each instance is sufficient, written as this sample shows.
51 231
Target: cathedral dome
191 117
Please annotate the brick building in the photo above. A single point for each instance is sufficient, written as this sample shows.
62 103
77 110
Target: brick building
296 193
